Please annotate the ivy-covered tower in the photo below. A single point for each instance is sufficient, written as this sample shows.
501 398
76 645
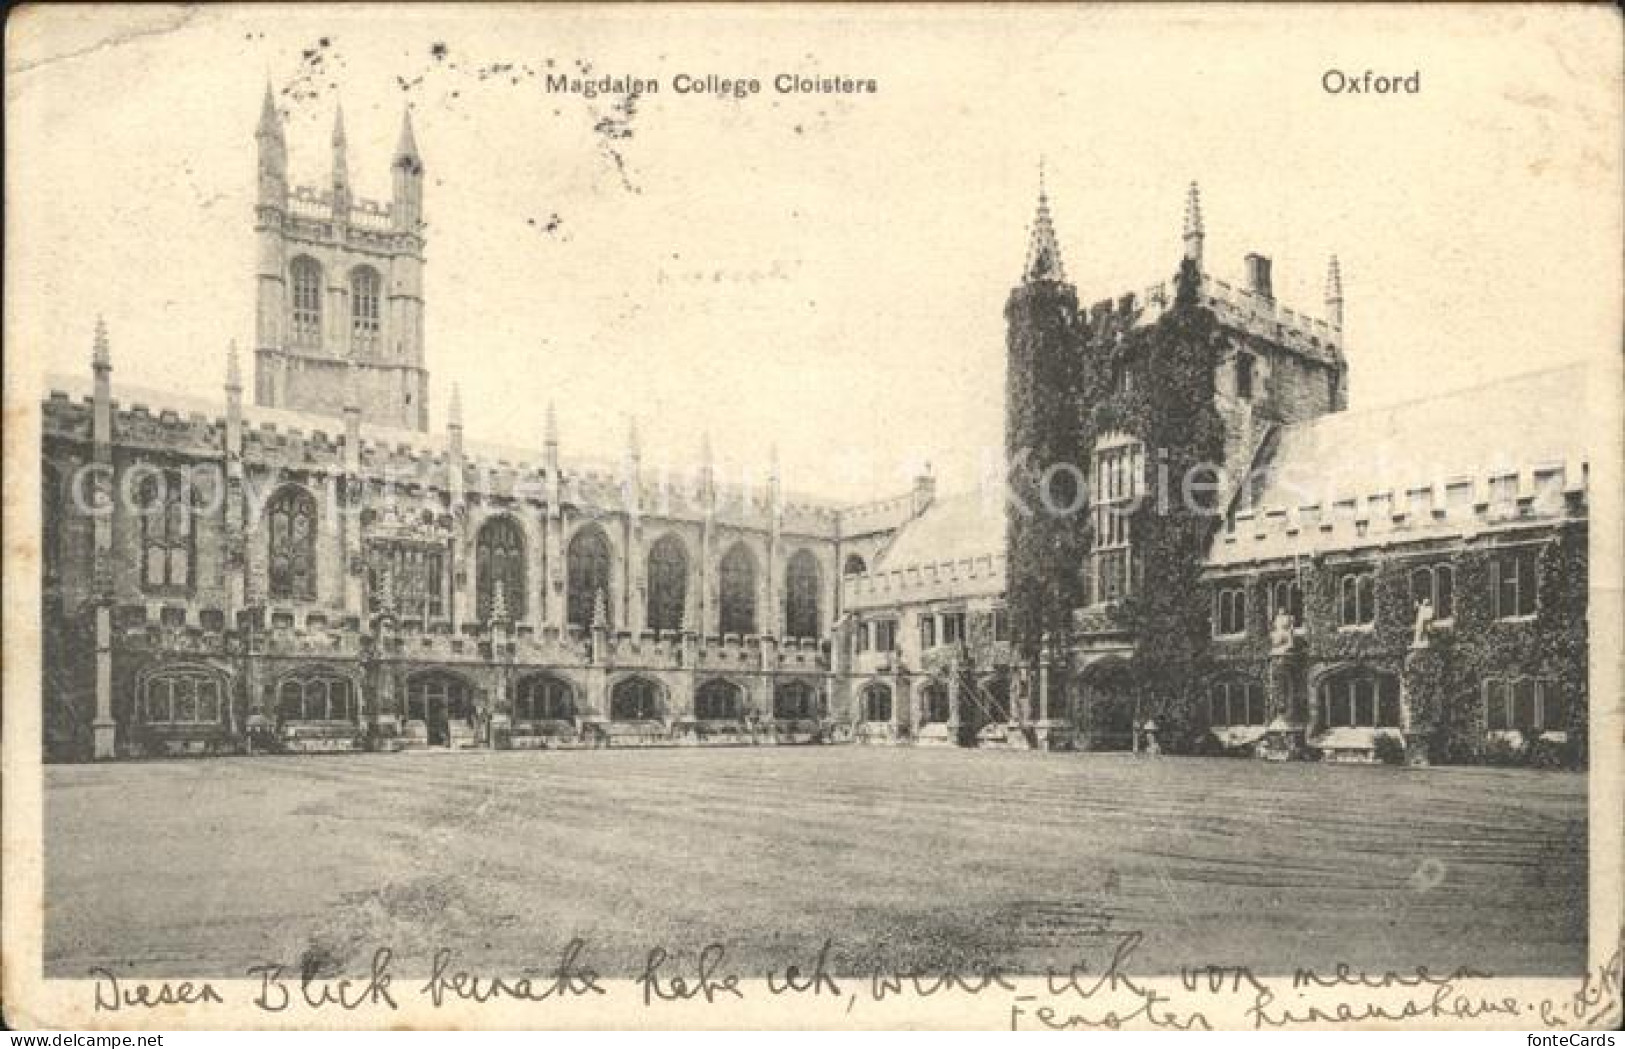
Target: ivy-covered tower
1044 537
1126 425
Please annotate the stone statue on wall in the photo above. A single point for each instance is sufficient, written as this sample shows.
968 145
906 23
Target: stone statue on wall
1281 632
1424 621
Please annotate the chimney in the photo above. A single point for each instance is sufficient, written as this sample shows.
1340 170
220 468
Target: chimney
1258 276
925 490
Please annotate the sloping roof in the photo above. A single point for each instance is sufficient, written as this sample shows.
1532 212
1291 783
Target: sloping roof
1515 426
952 528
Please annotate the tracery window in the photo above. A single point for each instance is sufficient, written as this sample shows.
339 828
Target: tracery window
587 567
635 699
877 702
737 580
801 596
306 327
181 697
167 534
668 583
718 700
315 697
794 701
417 579
499 556
543 697
292 515
364 309
1119 468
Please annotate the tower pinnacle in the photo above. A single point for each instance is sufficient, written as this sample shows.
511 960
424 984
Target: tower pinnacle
1334 294
406 147
234 371
1193 224
270 122
101 357
341 163
454 407
551 433
1043 253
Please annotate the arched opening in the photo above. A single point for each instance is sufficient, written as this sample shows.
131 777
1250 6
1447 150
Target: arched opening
587 565
719 700
635 699
1357 697
543 697
364 309
305 302
499 557
934 704
668 583
182 697
1108 705
737 581
794 701
444 703
1235 700
801 596
876 702
854 565
315 696
292 539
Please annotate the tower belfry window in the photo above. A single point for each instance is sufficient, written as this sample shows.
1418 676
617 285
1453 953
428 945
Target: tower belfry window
364 313
306 327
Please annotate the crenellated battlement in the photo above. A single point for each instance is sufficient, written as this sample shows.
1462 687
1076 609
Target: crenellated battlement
1459 505
970 576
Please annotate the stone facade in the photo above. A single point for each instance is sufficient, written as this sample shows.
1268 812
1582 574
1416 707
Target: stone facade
316 571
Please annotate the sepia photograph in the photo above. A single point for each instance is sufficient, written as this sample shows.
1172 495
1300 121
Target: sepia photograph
620 516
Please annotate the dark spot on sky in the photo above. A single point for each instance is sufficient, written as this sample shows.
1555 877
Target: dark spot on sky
799 129
438 51
324 42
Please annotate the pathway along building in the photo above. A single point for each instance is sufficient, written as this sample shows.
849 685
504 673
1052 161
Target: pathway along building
316 571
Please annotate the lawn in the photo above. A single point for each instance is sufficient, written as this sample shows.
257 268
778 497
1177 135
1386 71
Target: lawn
907 858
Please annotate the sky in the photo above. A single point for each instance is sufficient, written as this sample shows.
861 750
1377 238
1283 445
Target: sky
823 273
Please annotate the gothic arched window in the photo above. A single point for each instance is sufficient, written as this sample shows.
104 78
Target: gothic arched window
364 309
635 699
543 697
1359 698
315 697
794 701
801 596
166 531
934 702
668 583
181 697
293 545
718 700
587 566
499 556
877 702
737 579
306 300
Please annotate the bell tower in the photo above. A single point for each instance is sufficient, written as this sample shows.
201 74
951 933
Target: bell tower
339 284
